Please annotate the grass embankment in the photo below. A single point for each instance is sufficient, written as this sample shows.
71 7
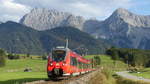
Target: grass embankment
103 77
107 62
107 73
13 72
108 68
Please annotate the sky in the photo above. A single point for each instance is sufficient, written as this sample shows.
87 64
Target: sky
100 9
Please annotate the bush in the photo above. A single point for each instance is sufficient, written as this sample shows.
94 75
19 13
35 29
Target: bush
28 55
2 58
13 56
44 57
97 60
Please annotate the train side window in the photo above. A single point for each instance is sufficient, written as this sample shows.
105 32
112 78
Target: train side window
80 64
73 61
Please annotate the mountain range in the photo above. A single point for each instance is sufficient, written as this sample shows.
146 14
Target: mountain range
18 38
126 30
122 29
42 29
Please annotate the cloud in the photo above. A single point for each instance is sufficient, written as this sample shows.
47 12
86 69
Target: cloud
12 11
100 9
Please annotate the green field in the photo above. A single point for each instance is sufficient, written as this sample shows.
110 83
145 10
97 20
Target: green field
13 72
109 68
143 73
107 62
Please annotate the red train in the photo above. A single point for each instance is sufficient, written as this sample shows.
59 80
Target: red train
64 62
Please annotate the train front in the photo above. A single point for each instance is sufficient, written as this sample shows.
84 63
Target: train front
56 62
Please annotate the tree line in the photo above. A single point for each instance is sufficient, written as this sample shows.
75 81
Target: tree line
2 58
133 57
11 56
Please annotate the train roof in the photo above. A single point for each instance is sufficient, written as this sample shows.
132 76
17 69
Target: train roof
60 48
73 54
80 58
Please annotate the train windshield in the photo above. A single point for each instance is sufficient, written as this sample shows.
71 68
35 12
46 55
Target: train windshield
58 55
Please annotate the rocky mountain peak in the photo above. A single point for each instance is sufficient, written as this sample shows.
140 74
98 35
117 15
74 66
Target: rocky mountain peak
121 11
130 18
43 19
49 11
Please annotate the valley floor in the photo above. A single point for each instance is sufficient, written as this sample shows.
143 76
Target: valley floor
13 72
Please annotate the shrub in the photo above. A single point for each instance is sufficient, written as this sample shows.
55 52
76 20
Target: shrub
28 55
44 57
97 60
2 58
13 56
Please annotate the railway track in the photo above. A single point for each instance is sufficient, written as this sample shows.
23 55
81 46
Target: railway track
82 79
60 80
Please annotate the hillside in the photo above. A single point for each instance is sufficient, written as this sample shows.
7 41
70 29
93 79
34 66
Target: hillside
17 38
125 29
57 36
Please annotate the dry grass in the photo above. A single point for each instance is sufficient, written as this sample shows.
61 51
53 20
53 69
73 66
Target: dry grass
102 77
99 78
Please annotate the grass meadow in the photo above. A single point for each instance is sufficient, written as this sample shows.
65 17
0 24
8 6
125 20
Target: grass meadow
107 73
13 72
108 68
107 62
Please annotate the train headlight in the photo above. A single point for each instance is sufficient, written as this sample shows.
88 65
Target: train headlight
51 64
64 63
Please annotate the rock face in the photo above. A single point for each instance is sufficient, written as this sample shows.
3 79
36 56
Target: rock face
90 26
125 29
130 18
43 19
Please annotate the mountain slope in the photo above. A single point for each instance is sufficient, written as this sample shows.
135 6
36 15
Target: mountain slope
18 38
76 39
90 26
126 30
